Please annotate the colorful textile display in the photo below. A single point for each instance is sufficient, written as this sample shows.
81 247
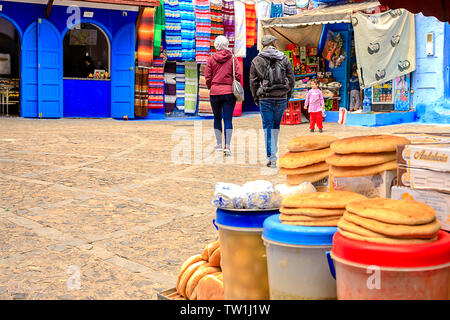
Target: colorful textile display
191 90
187 16
203 30
216 22
156 84
141 92
240 48
290 7
250 24
173 29
276 10
262 12
170 86
228 21
145 38
180 85
204 105
160 26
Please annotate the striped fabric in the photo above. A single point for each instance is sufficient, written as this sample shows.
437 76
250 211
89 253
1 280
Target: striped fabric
187 16
160 26
145 38
173 29
156 84
191 91
204 105
250 24
170 86
180 85
141 92
289 7
216 22
276 10
228 21
203 28
240 48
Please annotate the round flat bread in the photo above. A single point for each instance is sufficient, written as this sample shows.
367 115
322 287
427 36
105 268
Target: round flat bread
326 223
325 200
360 159
197 276
187 263
312 212
368 144
300 217
407 212
317 167
422 231
385 240
362 171
309 143
212 247
181 288
354 228
296 179
293 160
214 259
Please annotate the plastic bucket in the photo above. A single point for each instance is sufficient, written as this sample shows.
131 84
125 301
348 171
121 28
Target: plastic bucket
244 263
297 262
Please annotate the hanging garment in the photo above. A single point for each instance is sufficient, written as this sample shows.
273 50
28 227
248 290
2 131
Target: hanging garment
170 86
187 17
160 26
240 47
216 22
173 29
289 8
180 80
384 45
203 28
141 92
262 12
204 105
250 24
276 10
145 38
228 21
156 84
191 90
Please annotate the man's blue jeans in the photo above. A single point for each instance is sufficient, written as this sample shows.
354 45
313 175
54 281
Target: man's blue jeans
272 111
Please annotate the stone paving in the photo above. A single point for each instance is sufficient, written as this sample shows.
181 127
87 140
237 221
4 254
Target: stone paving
106 209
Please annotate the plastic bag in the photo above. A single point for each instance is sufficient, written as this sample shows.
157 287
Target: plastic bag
260 194
286 190
227 195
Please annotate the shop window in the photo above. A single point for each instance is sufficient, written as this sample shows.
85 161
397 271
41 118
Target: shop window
86 51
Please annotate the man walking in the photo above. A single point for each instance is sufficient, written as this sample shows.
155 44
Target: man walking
271 83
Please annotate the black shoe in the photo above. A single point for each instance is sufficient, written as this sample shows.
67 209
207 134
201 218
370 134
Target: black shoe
320 130
269 163
312 130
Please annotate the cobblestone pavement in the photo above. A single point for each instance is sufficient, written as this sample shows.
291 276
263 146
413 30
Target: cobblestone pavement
106 209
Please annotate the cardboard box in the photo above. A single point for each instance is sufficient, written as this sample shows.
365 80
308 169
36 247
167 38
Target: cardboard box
426 156
425 138
423 179
437 200
374 186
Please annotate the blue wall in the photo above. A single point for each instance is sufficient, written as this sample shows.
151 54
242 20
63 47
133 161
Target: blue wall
430 81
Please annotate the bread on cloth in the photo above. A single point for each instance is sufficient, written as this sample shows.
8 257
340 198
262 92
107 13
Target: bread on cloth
325 200
317 167
312 212
210 287
362 171
293 160
309 143
197 276
368 144
296 179
360 159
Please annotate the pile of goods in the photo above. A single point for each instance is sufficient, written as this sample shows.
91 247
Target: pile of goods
322 209
389 221
305 161
200 276
364 155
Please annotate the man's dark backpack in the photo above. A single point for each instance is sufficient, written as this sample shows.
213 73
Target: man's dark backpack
274 76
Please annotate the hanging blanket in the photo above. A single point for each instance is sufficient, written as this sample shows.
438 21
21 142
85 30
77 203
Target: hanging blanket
250 24
141 92
191 91
181 83
204 105
187 16
203 27
228 21
156 85
276 10
160 26
240 47
289 8
385 46
173 29
170 86
146 38
262 12
216 22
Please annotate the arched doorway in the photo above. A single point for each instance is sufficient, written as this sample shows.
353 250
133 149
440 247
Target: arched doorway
87 65
9 68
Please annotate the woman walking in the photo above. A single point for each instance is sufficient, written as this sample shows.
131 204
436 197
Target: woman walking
219 79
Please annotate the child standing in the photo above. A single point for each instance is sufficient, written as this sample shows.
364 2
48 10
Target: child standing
315 104
355 103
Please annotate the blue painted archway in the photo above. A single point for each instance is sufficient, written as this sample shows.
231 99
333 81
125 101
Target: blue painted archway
19 30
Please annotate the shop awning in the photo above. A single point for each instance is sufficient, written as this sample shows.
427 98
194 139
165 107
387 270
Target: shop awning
436 8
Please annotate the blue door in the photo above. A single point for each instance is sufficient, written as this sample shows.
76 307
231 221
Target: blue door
42 76
342 73
122 73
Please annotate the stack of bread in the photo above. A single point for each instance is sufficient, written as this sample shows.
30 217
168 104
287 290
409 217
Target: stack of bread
320 209
305 160
389 221
364 155
200 276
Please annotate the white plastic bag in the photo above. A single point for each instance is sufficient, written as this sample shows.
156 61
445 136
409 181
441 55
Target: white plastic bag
227 195
286 191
